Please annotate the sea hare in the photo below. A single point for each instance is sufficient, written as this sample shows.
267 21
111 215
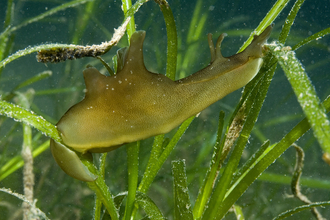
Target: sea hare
136 104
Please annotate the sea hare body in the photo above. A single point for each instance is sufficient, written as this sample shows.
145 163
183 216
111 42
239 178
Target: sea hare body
136 104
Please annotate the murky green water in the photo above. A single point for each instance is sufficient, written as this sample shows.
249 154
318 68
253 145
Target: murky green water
61 197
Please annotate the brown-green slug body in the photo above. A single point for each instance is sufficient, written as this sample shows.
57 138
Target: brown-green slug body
136 104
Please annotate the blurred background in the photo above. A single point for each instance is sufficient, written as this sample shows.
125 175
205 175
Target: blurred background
62 197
